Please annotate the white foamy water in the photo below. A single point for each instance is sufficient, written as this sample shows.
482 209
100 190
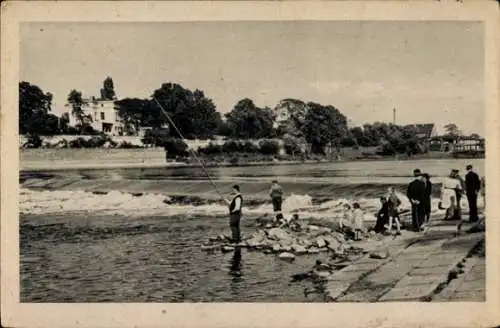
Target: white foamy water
117 203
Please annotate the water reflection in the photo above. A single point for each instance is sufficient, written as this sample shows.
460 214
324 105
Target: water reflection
235 265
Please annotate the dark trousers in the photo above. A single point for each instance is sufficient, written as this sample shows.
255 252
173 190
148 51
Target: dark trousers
277 204
472 199
417 215
458 209
234 224
427 205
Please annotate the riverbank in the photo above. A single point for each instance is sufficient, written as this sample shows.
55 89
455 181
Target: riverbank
99 158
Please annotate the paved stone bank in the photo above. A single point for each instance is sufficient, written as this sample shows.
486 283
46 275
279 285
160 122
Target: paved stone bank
415 270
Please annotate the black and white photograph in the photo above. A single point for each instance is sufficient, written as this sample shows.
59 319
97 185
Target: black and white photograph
251 161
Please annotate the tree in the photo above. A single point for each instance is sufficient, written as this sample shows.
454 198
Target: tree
108 89
134 112
452 129
324 125
64 122
297 110
249 121
77 103
193 113
34 108
475 136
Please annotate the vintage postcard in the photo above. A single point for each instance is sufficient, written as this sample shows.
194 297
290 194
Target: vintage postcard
253 164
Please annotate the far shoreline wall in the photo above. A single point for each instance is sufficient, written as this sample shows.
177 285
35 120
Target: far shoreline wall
134 140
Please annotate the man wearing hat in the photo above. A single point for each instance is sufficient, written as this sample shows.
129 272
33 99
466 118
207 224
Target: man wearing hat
416 195
472 187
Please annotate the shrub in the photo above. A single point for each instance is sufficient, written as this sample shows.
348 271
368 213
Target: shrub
78 143
34 141
231 146
292 147
175 147
269 147
249 147
210 149
234 160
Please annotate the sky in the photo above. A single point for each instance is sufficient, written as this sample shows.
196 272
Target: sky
431 72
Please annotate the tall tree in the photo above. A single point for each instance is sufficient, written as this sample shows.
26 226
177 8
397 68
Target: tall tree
34 108
108 89
64 122
193 113
246 120
323 126
77 103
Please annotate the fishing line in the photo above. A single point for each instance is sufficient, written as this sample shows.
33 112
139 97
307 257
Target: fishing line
191 150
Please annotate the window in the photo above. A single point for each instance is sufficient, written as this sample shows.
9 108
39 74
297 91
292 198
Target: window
102 115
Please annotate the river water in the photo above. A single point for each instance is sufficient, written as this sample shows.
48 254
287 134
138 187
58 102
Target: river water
134 235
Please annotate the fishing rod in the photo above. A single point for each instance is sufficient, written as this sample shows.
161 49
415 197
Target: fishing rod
192 151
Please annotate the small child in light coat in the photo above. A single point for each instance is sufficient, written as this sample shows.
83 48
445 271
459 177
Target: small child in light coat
358 221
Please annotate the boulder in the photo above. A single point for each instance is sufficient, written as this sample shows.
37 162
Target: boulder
256 239
332 243
286 243
276 248
313 250
313 228
278 234
287 256
379 255
227 249
320 242
298 249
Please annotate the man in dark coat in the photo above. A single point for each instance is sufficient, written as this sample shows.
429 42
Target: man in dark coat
472 187
428 194
416 195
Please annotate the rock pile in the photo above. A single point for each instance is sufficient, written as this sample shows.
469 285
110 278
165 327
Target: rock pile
288 243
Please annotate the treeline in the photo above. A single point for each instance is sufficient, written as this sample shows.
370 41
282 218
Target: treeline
309 127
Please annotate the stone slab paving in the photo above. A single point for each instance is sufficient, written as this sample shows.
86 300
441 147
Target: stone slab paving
470 286
417 265
433 271
380 281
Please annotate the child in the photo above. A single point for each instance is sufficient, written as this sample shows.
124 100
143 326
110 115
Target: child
346 219
393 202
357 221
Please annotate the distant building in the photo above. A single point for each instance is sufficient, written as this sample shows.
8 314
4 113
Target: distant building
101 115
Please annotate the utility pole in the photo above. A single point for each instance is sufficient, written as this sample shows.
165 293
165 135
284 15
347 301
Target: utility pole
394 116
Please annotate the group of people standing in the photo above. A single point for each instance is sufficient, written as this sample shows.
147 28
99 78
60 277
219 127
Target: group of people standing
419 193
453 188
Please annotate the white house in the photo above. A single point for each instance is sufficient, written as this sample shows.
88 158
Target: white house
103 116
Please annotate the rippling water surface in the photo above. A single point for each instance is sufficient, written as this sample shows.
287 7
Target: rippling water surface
109 235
